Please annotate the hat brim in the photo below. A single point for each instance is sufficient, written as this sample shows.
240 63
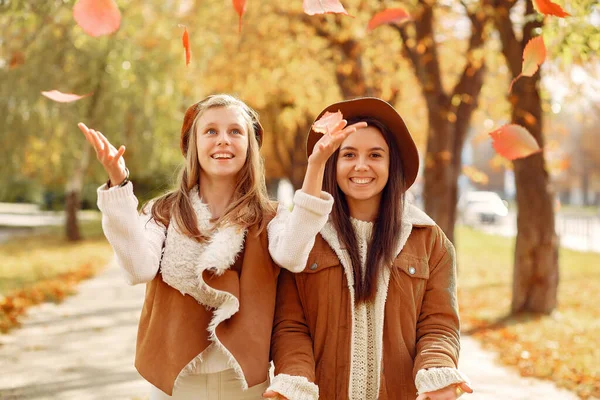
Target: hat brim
385 113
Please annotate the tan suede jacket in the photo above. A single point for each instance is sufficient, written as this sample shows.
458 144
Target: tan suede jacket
312 335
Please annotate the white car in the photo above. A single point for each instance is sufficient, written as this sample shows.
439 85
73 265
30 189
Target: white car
481 207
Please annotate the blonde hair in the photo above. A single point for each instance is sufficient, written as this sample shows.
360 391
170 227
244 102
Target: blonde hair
250 204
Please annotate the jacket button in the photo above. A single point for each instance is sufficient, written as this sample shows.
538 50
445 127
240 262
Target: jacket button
313 266
412 270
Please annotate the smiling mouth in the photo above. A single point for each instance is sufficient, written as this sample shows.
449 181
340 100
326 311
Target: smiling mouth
222 156
362 181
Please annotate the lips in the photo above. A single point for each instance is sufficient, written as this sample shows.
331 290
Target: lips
362 181
222 156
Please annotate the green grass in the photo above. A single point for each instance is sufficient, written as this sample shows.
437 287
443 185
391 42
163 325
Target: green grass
33 258
561 347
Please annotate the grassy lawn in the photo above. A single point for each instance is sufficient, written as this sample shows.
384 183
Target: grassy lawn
45 267
29 259
562 347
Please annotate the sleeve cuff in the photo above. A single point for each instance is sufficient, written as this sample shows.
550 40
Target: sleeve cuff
294 387
432 379
319 205
115 194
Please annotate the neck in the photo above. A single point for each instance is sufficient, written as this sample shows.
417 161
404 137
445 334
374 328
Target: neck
364 210
217 193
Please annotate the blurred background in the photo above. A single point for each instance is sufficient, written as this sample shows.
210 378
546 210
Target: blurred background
527 231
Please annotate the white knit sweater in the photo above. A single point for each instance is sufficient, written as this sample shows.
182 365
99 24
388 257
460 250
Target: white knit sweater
137 241
291 238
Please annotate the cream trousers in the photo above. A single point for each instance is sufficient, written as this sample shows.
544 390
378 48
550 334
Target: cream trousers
218 386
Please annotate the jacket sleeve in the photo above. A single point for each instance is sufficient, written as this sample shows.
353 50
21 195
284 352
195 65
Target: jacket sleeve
292 233
438 326
291 345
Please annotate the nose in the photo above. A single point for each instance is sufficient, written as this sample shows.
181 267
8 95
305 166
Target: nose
361 164
223 139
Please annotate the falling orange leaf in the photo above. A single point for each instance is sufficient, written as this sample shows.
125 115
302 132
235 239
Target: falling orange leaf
185 38
533 56
547 7
327 122
389 16
313 7
97 17
64 97
240 8
513 142
17 59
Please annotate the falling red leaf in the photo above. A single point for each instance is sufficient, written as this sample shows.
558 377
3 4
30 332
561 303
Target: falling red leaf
97 17
327 122
185 38
513 142
389 16
312 7
533 56
17 59
64 97
547 7
240 8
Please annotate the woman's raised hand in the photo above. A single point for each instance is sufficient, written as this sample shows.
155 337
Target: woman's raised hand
111 158
331 141
451 392
269 394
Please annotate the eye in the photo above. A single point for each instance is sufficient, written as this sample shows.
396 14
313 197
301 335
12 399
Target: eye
376 155
236 131
347 155
211 131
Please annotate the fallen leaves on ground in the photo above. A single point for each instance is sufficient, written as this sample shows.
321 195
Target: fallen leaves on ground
14 305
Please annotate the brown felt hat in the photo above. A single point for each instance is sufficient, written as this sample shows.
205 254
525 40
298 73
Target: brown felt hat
190 116
384 113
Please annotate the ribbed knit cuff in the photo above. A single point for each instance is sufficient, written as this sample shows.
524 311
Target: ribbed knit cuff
319 205
115 194
294 387
432 379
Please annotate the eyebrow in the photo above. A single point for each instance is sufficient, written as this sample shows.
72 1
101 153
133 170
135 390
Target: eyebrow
212 124
355 149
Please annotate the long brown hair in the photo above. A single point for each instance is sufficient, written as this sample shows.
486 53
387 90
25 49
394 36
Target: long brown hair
250 203
387 226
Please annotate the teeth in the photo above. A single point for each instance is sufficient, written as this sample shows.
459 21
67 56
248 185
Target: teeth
222 155
361 180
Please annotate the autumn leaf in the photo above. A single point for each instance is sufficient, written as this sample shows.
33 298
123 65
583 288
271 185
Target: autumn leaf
185 38
64 97
533 56
240 8
513 142
547 7
327 122
389 16
97 17
313 7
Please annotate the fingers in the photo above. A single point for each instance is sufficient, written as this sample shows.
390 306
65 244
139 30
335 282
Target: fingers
119 154
339 126
465 387
269 394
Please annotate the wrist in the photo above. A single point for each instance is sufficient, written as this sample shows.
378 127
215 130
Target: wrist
118 182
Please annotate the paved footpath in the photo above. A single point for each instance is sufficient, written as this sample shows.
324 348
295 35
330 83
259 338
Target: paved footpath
83 349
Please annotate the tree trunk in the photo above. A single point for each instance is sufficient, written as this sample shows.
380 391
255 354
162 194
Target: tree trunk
73 196
535 276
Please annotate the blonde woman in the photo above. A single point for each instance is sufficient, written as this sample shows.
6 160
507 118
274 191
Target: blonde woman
201 250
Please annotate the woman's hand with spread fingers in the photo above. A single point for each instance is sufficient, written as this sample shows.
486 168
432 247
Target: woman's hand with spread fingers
111 159
331 141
